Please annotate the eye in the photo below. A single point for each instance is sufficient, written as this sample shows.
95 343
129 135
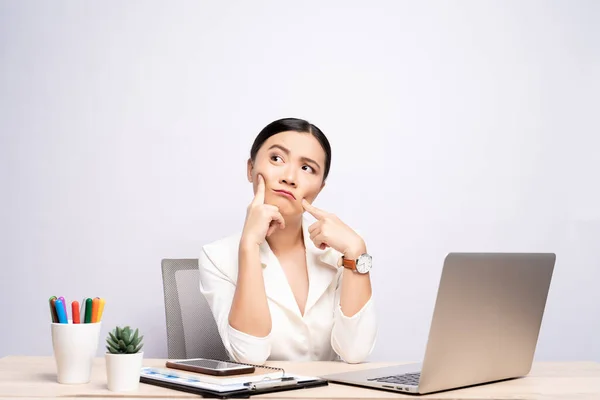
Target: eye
276 158
308 168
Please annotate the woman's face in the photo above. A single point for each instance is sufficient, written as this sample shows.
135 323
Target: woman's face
292 165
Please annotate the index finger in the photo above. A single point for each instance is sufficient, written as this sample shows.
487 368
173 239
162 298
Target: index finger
312 210
259 197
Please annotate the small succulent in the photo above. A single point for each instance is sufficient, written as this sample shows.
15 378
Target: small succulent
124 341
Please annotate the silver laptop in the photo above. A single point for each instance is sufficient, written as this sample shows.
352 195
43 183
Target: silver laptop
484 329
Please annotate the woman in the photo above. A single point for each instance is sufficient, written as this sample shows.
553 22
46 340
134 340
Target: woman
286 289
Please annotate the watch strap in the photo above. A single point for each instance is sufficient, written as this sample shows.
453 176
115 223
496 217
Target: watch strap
349 263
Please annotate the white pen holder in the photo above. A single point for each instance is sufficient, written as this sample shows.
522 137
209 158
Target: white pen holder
75 346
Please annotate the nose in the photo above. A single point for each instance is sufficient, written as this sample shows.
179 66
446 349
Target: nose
288 177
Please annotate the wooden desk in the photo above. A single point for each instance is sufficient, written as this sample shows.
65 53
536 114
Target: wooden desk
35 378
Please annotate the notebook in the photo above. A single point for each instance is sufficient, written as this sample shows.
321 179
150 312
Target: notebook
257 383
259 374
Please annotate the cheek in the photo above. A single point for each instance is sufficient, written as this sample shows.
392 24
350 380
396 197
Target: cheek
263 168
268 174
312 189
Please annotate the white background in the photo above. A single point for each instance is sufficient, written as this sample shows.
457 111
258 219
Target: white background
455 126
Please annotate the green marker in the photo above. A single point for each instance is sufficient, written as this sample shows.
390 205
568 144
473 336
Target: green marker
88 310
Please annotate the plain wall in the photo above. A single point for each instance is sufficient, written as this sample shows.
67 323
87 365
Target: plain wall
456 126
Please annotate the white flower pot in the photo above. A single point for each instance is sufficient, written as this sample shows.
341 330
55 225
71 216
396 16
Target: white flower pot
123 371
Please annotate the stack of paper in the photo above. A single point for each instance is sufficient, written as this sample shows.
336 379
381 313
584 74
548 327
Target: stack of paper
217 383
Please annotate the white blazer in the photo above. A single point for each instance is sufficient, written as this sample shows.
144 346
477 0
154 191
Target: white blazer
323 333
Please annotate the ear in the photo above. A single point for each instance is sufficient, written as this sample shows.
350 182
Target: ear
249 167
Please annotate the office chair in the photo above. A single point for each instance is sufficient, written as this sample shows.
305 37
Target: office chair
191 328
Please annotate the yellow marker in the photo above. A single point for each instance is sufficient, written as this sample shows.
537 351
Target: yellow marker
101 309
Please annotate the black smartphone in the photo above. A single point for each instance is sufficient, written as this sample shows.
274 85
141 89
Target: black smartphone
210 367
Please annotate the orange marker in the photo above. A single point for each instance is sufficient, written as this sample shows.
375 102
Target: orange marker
95 304
101 309
75 312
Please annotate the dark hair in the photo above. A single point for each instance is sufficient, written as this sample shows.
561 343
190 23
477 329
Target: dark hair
295 125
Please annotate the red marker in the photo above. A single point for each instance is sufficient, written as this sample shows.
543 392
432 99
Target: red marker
75 312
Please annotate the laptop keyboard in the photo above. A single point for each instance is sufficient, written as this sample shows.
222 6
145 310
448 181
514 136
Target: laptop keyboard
402 379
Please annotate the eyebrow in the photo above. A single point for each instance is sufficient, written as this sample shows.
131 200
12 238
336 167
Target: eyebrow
287 152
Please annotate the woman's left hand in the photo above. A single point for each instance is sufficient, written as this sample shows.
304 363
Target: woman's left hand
330 231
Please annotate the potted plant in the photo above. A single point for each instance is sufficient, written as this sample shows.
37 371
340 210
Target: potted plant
123 359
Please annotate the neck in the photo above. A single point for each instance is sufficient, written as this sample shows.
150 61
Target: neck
282 240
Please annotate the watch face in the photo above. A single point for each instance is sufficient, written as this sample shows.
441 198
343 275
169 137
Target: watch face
363 264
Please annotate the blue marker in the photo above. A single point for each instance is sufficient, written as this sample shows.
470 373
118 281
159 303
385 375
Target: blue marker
60 310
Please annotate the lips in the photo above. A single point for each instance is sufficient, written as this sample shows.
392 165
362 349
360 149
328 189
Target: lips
285 192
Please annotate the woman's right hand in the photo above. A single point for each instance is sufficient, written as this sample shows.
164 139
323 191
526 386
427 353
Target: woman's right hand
261 219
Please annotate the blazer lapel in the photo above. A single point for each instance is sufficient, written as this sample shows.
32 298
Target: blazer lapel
277 287
322 268
322 272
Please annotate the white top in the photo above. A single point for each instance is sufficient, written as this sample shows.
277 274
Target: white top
323 333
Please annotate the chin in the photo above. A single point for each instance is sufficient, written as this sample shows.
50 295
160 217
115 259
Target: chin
286 207
290 212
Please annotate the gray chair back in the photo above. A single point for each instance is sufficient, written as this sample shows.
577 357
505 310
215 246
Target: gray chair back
191 328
